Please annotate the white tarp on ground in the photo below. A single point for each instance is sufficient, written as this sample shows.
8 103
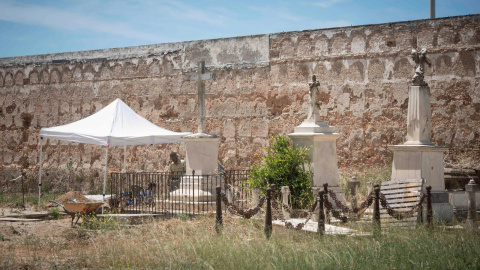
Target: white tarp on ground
116 124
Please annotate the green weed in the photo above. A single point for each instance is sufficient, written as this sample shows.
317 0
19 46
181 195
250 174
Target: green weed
54 213
182 216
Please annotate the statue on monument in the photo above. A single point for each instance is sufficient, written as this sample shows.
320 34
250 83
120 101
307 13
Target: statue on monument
420 58
313 109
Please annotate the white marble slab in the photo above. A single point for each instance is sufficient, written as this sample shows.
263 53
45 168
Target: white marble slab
312 227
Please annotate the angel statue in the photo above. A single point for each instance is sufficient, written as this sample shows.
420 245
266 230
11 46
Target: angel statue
420 58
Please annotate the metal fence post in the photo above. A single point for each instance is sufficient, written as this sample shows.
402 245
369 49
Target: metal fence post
376 211
23 189
268 214
218 220
429 206
321 214
470 190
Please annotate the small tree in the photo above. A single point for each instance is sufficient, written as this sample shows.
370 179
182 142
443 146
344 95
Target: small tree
284 166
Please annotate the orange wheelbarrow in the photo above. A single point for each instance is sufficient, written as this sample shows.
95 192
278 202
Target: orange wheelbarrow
77 210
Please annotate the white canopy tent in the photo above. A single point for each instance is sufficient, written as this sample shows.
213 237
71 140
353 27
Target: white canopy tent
116 124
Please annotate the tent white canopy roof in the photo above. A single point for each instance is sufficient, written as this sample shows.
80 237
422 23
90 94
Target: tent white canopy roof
116 124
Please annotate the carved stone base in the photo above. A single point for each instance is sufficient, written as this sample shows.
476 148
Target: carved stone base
419 162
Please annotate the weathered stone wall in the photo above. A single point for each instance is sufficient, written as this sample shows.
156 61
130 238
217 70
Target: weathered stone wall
261 89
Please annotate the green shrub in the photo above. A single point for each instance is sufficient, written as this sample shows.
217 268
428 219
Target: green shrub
106 223
53 212
284 166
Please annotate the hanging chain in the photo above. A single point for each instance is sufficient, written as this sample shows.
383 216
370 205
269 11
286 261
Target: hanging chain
364 205
240 212
275 205
338 203
335 213
400 215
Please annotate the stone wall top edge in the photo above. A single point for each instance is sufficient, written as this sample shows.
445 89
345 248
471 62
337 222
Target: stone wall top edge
166 48
117 53
392 24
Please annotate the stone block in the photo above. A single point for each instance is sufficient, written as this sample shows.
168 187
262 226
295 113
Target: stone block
442 212
245 128
229 130
459 199
425 38
414 162
446 35
7 158
339 44
358 45
259 128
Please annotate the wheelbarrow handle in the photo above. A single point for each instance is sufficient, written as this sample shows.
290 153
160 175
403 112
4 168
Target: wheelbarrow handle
59 204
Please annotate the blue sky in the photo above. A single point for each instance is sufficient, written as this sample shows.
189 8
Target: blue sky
39 26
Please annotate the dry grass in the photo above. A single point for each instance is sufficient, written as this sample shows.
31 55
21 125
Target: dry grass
373 175
193 244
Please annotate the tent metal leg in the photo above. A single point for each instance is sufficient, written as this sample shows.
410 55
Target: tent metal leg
124 158
40 175
105 177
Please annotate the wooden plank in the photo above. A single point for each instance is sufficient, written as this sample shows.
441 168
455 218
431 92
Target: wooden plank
396 210
392 220
11 219
385 192
402 195
402 181
401 186
400 200
405 205
388 217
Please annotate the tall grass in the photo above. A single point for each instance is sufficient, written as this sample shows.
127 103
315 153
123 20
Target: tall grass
193 244
373 175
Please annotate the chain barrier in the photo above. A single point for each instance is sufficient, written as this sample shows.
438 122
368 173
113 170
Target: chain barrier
400 215
247 214
364 205
338 203
358 211
335 213
275 205
289 225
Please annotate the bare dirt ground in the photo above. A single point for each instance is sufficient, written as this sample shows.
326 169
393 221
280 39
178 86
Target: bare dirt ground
12 229
25 244
17 230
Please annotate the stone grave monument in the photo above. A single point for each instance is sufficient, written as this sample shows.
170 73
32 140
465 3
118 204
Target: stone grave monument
202 154
418 157
321 137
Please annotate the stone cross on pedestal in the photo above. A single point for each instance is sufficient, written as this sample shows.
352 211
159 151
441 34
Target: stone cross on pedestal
313 109
200 77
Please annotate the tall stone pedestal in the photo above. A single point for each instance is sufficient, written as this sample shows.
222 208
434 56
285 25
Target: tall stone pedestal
202 161
323 154
419 124
418 157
